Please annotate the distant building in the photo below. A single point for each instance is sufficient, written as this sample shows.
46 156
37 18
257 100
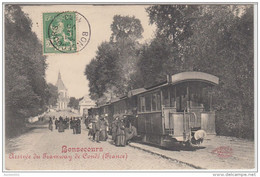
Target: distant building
63 98
85 104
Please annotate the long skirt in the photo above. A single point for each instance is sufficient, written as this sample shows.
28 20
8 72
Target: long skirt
78 130
113 136
120 140
60 128
96 136
50 127
103 135
90 132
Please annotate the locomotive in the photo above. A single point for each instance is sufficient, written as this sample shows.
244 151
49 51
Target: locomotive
177 111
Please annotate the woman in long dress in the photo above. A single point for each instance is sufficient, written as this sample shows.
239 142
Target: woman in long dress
60 125
50 124
114 128
120 134
103 127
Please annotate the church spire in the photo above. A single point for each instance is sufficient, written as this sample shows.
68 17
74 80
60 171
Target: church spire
60 83
59 76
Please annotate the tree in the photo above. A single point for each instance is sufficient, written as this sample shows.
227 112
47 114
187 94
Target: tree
73 103
163 55
216 39
52 95
102 72
126 28
110 72
222 44
25 66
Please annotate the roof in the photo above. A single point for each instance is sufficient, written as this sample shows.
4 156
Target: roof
60 83
114 100
135 92
186 77
87 101
194 76
175 79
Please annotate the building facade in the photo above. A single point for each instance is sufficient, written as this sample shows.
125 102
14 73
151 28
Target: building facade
85 104
63 98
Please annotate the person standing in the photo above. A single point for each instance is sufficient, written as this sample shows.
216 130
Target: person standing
86 122
56 123
78 126
96 129
60 125
50 124
103 127
74 125
120 133
114 128
90 130
71 127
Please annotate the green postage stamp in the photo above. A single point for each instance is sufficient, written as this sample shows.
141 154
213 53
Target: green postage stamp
59 32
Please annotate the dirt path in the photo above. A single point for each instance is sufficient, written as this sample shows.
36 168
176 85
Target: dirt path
42 142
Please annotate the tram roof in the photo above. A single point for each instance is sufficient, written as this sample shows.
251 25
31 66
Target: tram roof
175 79
194 76
186 77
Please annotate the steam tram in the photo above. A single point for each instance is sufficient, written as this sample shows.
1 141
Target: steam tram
176 111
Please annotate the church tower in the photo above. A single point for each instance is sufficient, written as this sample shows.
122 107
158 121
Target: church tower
63 98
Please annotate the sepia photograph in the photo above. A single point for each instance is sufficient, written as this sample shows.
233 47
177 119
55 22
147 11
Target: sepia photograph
159 87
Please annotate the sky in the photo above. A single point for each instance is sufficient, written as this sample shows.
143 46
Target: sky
72 66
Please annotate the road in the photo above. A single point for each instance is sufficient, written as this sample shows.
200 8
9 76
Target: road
41 149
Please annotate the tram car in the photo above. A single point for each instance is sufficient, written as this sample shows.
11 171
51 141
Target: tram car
177 111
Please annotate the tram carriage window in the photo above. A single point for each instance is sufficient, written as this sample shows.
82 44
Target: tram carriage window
148 103
158 101
181 99
142 104
196 95
206 98
172 94
166 99
154 101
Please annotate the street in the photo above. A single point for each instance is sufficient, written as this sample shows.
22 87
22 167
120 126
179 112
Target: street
41 149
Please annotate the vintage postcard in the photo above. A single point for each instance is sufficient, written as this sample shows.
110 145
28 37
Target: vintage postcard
146 87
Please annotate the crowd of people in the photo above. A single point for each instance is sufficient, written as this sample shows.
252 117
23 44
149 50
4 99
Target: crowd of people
65 123
121 129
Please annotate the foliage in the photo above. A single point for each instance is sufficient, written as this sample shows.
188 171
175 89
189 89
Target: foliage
222 45
73 103
125 28
51 94
219 40
110 72
163 56
25 85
